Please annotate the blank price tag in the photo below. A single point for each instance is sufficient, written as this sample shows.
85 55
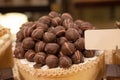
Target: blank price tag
103 39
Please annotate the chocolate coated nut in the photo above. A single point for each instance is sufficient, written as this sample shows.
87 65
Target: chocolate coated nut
52 61
45 20
52 48
86 26
29 55
80 44
66 16
78 23
39 46
28 24
77 57
51 29
68 48
59 31
40 25
19 52
89 53
67 23
56 21
65 62
28 43
19 36
72 34
49 37
39 58
53 14
37 34
62 40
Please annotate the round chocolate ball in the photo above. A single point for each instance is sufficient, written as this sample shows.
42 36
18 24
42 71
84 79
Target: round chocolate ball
68 48
39 58
28 24
37 34
29 55
66 16
53 14
28 43
45 20
19 52
19 36
39 46
56 21
86 26
51 61
89 53
67 23
18 44
49 37
65 62
41 26
27 31
59 31
78 23
80 44
62 40
52 48
51 29
77 57
72 34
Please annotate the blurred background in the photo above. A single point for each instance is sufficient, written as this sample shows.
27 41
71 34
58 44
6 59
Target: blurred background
101 13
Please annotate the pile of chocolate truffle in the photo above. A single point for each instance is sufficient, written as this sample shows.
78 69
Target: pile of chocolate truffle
53 40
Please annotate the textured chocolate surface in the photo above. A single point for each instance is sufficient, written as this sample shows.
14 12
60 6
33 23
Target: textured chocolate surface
89 53
29 55
52 48
53 14
45 20
68 48
59 31
39 46
52 61
62 40
66 16
65 62
28 43
19 36
19 52
56 21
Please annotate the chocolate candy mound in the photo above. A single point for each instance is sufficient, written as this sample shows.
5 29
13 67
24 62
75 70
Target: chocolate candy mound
55 40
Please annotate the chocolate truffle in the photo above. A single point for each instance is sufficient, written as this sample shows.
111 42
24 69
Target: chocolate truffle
72 34
86 26
77 57
51 29
62 40
67 23
45 20
49 37
28 43
56 21
89 53
52 48
68 48
27 31
28 24
41 26
39 58
78 23
19 52
80 44
39 46
29 55
59 31
37 34
66 16
65 62
53 14
19 36
51 61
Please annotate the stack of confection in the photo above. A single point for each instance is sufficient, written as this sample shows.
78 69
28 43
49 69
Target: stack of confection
52 48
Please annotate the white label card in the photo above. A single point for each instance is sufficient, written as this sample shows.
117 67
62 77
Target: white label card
103 39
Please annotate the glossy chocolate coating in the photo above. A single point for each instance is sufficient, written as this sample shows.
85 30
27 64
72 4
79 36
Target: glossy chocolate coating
45 20
52 48
52 61
29 55
62 40
66 16
56 21
68 48
39 46
59 31
65 62
28 43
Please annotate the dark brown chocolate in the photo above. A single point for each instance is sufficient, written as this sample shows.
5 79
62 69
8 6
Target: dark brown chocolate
37 34
39 46
77 57
72 34
29 55
89 53
66 16
39 58
28 43
59 31
19 52
65 62
52 61
68 48
80 44
52 48
49 37
53 14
